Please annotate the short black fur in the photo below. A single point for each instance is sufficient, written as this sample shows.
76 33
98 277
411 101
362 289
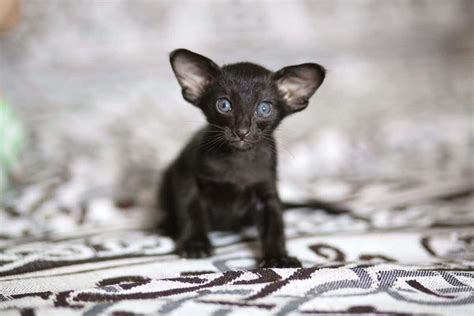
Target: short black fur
225 178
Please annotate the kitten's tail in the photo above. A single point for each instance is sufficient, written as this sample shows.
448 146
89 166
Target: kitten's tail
327 207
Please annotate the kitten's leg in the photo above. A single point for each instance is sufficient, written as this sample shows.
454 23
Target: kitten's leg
185 217
271 229
193 241
169 223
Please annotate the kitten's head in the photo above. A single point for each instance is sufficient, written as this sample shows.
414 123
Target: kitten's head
244 102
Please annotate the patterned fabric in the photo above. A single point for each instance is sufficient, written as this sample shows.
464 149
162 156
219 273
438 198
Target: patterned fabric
412 260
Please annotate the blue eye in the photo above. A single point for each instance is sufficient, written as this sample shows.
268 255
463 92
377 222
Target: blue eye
264 109
224 105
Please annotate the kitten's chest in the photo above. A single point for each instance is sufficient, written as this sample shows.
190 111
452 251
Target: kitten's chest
227 204
241 169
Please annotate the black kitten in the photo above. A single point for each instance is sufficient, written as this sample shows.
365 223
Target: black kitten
226 176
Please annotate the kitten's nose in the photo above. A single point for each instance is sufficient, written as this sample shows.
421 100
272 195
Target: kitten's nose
242 132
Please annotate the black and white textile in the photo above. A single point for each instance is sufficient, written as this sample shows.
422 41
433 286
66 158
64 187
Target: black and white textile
412 260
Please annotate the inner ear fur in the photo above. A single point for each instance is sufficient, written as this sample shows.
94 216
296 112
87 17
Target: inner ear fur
298 83
194 73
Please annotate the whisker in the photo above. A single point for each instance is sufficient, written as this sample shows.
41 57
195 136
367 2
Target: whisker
207 140
221 143
210 143
267 136
214 140
217 144
216 126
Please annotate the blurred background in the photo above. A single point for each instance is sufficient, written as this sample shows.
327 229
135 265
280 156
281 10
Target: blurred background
102 114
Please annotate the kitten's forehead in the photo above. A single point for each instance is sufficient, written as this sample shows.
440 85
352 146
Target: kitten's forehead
245 69
247 79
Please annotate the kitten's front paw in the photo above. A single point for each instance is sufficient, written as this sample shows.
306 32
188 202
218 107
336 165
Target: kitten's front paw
195 248
280 262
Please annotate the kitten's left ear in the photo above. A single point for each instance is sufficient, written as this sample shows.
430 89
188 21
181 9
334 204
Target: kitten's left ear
194 73
298 83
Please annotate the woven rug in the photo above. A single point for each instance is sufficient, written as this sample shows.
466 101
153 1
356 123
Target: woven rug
412 259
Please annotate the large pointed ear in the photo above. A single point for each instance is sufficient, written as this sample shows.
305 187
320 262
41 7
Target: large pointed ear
298 83
194 73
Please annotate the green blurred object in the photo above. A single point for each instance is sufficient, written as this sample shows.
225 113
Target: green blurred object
11 141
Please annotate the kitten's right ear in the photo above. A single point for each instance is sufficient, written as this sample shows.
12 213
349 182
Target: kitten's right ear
194 73
298 83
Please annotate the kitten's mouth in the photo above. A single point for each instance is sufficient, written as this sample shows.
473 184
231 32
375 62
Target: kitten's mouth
241 144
